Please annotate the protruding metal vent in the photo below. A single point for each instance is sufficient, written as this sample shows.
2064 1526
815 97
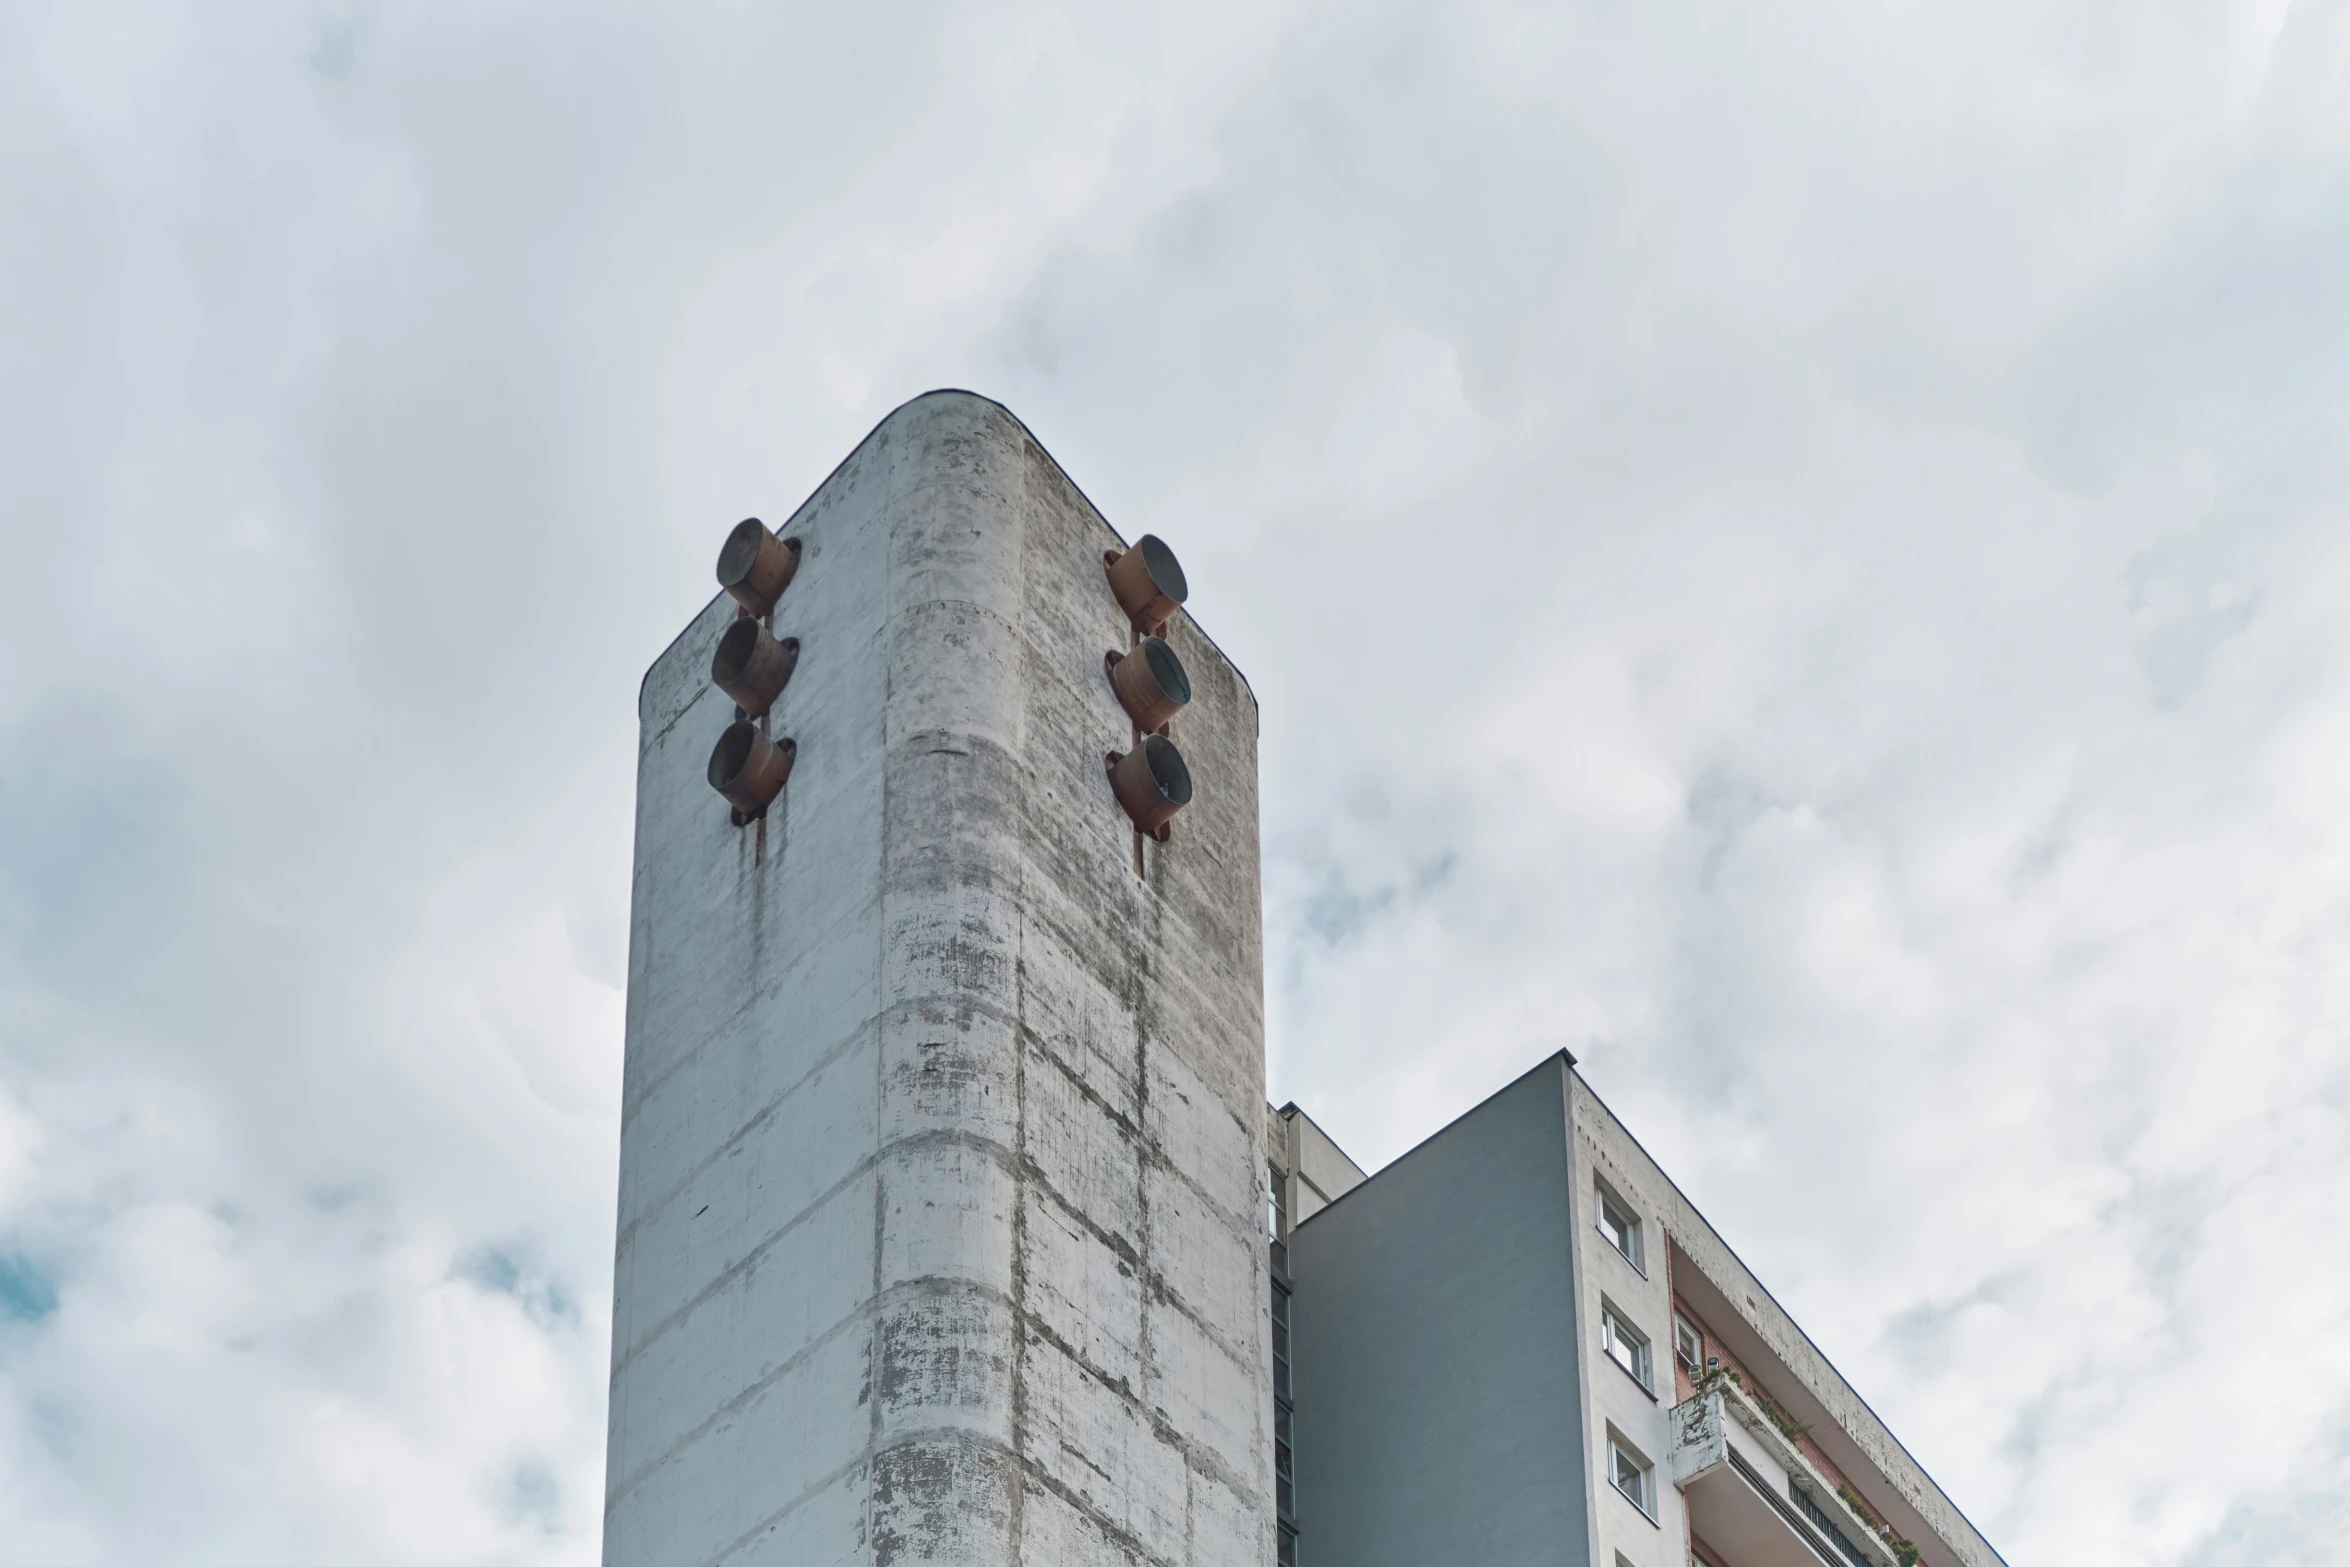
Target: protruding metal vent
1152 783
752 665
1148 581
755 566
748 768
1150 683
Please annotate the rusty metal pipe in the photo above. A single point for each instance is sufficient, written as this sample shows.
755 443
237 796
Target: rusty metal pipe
1148 582
748 768
1151 782
756 566
751 666
1150 683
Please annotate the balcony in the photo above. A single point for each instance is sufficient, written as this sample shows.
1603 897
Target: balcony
1753 1496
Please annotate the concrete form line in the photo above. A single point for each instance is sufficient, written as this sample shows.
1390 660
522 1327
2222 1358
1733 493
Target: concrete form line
1199 1457
807 1494
1094 1515
615 1495
1020 1164
1153 1152
870 1027
764 1114
633 1098
750 1259
1021 1464
869 1312
1126 1251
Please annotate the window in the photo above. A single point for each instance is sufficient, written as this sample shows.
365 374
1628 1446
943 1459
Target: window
1284 1429
1625 1344
1284 1462
1276 1221
1688 1346
1629 1473
1280 1342
1617 1224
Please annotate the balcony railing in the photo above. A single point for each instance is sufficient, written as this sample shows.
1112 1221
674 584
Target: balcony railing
1708 1431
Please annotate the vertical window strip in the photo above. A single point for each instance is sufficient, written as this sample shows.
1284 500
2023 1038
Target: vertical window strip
1284 1427
1284 1406
1281 1343
1277 1220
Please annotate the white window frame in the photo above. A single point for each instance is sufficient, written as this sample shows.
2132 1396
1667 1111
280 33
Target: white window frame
1690 1354
1626 1345
1642 1492
1612 1208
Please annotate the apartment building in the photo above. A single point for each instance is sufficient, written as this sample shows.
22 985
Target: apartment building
1520 1343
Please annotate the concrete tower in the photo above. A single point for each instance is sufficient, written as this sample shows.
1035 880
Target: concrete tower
940 1194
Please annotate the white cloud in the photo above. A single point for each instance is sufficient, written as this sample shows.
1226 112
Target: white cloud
1837 513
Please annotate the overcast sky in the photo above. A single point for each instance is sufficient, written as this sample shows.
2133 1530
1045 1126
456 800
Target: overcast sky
1834 519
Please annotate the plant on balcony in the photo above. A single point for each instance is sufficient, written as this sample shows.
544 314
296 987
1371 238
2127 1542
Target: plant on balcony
1789 1427
1903 1551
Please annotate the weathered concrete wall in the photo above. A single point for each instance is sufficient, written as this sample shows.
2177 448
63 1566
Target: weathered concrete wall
940 1198
1439 1405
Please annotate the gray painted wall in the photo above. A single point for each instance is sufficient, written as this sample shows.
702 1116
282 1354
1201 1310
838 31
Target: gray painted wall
940 1201
1439 1408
